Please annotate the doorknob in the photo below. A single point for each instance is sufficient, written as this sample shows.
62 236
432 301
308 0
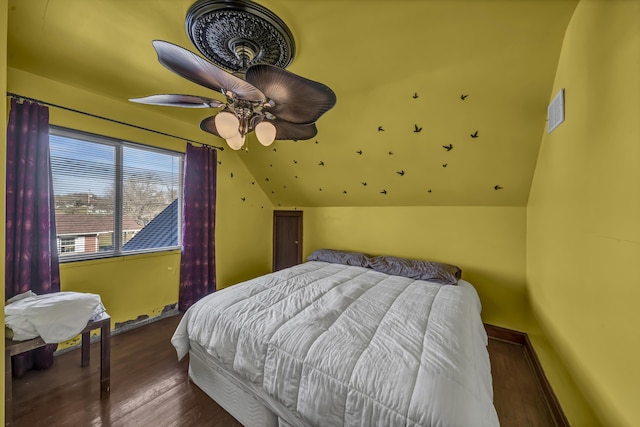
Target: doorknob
295 241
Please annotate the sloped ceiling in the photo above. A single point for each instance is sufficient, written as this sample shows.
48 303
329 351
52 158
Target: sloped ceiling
451 69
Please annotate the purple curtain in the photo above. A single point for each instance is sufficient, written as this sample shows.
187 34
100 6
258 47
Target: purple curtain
198 262
31 256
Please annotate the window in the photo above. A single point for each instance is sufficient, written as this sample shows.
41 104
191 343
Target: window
66 244
113 197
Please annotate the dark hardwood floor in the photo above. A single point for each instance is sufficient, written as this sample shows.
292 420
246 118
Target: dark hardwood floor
149 387
516 393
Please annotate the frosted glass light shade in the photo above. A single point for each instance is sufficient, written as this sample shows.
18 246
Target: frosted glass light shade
227 124
236 142
266 133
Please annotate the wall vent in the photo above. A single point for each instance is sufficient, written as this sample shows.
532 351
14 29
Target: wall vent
555 112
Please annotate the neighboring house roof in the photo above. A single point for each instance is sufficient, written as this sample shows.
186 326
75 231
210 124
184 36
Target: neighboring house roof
161 232
83 223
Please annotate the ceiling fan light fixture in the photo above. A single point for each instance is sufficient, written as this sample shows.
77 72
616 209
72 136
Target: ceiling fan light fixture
227 124
265 132
236 142
246 47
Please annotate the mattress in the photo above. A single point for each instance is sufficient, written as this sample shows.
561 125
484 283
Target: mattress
331 344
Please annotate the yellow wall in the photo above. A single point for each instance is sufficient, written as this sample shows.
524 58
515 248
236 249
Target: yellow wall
3 148
583 228
488 243
142 285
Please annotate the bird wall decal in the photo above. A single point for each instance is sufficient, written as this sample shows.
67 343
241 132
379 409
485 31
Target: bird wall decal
398 152
415 95
243 199
231 174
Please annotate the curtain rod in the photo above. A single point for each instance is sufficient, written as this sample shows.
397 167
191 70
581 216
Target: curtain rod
15 95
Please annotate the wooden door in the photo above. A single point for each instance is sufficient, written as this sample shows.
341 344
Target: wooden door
287 239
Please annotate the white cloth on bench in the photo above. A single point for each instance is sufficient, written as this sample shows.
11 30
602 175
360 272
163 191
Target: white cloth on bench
55 317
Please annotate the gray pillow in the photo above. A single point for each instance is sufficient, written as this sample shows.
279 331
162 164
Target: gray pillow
438 272
340 257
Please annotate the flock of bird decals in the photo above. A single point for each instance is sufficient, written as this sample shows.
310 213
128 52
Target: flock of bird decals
416 129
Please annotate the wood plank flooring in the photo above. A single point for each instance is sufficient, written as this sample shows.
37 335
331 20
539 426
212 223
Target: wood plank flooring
150 388
516 393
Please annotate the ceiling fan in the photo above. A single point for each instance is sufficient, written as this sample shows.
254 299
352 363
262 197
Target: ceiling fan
247 47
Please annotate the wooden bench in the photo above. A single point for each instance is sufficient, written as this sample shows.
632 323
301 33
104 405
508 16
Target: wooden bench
12 348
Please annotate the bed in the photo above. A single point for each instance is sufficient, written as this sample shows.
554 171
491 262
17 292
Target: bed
344 341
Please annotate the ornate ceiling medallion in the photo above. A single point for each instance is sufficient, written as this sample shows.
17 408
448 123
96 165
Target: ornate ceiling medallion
236 34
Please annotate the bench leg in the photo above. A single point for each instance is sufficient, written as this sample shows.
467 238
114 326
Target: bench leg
105 360
8 391
86 349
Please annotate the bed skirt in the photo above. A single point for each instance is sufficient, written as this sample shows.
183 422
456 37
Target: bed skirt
245 402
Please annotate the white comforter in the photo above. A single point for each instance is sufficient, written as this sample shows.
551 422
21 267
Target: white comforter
344 345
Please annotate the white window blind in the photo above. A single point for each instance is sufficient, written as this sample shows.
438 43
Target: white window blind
115 196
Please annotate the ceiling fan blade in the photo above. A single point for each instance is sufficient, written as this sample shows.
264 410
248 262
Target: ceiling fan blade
297 100
186 101
198 70
293 131
209 125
